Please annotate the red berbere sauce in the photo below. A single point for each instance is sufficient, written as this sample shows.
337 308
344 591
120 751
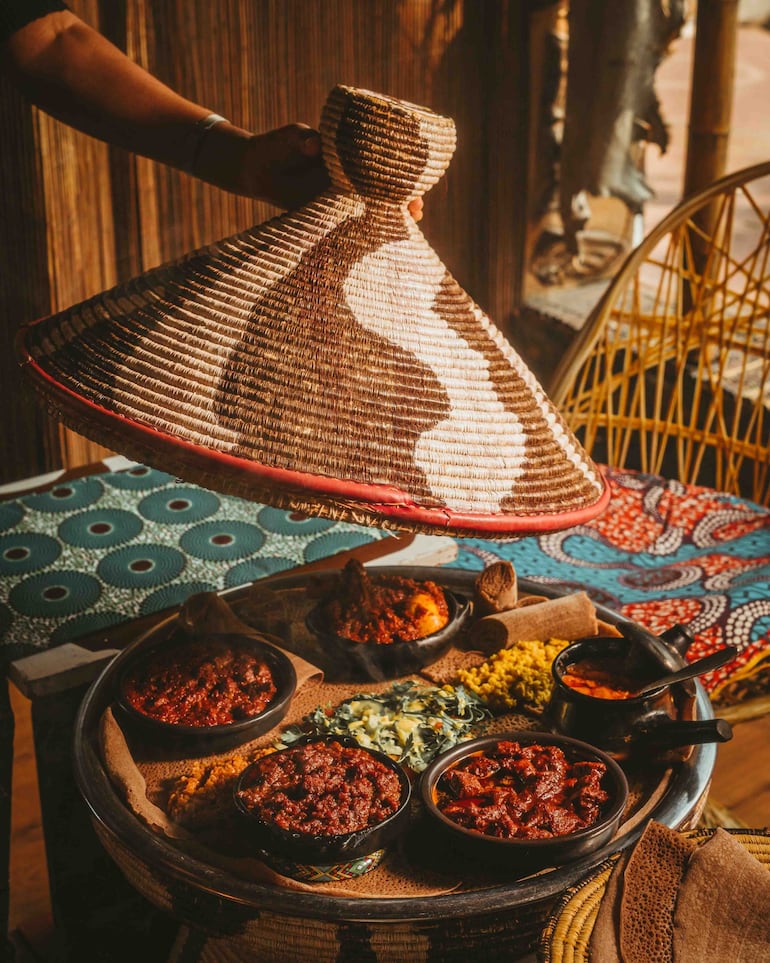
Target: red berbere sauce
202 683
516 791
605 679
322 789
383 609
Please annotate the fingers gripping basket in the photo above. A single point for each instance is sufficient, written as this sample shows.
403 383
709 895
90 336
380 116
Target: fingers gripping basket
326 361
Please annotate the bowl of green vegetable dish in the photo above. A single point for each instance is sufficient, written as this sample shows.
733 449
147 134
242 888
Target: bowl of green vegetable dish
410 722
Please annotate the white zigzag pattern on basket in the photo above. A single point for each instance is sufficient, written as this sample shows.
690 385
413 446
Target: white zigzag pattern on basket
437 452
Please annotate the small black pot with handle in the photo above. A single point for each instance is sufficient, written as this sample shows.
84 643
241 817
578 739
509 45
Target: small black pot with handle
624 727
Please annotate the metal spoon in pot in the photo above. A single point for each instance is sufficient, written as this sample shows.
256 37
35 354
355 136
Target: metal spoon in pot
707 664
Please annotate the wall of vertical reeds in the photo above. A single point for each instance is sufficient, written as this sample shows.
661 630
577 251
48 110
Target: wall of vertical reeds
77 216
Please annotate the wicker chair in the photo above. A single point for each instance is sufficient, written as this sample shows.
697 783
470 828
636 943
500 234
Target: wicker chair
671 372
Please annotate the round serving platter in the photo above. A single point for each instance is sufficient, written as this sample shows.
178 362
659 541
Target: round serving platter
502 916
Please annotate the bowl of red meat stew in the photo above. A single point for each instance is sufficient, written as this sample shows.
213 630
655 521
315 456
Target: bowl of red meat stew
323 808
384 624
523 801
205 693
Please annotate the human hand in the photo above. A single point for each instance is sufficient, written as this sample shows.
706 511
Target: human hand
284 166
415 208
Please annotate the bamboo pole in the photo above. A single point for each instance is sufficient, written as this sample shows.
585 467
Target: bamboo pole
711 98
711 104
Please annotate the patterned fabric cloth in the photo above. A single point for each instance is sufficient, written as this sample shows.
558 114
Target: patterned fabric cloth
663 553
102 549
106 548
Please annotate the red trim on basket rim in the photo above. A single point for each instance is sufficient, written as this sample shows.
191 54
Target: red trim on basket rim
390 503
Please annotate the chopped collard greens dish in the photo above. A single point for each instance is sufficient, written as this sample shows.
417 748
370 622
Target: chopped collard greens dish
410 722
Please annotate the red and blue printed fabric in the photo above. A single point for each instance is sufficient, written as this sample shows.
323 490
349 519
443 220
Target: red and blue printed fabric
662 553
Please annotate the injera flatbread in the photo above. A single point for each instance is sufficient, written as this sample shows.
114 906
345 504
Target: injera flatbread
723 910
603 944
650 886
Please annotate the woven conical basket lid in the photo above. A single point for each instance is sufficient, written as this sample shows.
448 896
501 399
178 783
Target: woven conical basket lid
326 361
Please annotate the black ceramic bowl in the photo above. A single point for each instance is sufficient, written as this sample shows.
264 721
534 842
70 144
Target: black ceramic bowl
141 661
522 856
375 662
320 857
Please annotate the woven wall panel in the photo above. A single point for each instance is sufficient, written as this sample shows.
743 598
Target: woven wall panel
28 439
77 198
264 63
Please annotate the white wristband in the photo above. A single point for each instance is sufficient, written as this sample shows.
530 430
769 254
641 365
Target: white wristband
201 128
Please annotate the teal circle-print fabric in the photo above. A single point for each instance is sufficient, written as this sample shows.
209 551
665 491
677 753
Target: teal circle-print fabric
139 479
255 568
80 625
100 528
292 523
25 552
11 513
223 540
66 497
173 594
179 505
141 566
330 543
114 546
55 594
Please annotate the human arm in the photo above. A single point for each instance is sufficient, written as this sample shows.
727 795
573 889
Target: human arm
74 73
